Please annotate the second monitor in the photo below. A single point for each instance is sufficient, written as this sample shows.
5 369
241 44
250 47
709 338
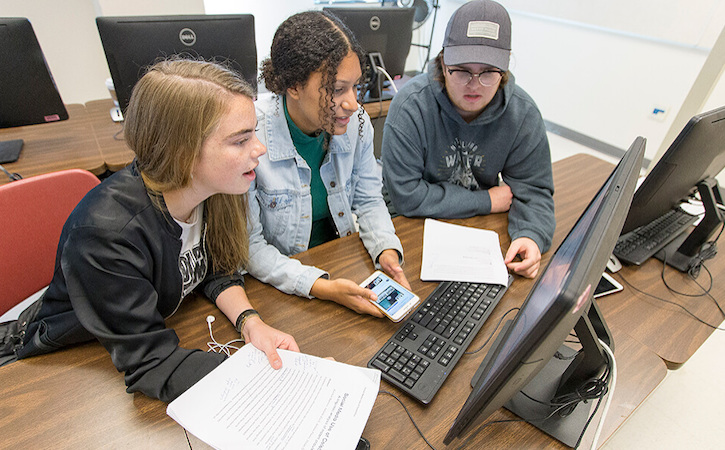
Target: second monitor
385 34
133 43
688 166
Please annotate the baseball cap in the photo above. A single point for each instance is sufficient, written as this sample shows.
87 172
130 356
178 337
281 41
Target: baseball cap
478 32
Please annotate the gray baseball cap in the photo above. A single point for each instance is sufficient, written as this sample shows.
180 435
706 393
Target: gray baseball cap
478 32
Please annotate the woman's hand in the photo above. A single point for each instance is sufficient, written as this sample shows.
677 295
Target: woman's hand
390 262
268 339
346 293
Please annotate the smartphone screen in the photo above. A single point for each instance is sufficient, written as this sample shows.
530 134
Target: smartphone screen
393 299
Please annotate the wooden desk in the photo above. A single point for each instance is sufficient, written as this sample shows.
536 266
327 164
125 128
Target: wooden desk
75 397
377 109
109 134
49 147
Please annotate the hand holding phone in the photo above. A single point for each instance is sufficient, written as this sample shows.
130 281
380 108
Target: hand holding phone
394 300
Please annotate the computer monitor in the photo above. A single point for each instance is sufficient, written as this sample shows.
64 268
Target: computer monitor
691 163
522 359
28 95
133 43
385 33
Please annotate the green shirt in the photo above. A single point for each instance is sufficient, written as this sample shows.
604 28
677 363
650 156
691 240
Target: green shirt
312 150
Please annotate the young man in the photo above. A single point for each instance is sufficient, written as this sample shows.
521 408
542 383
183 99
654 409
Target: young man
464 139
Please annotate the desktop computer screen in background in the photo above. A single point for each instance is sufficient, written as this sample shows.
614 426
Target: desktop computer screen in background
688 166
133 43
28 95
521 370
387 31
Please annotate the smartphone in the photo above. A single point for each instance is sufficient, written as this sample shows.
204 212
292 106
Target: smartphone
363 444
607 285
394 300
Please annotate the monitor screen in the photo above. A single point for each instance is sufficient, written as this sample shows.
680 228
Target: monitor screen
697 153
133 43
28 95
384 30
560 299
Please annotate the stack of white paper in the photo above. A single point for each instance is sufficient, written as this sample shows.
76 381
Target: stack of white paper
310 403
457 253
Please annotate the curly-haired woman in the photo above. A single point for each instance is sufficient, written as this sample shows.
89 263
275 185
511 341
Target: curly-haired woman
319 176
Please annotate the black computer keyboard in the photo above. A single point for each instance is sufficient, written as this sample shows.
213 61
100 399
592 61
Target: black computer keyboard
420 355
642 243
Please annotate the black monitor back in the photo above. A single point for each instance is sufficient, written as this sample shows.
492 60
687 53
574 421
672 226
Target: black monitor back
28 94
385 30
133 43
697 153
559 301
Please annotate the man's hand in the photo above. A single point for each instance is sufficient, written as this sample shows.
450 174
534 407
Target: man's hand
501 197
530 257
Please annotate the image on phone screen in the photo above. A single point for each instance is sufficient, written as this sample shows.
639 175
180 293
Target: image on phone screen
392 298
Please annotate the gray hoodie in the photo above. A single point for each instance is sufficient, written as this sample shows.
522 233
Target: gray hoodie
437 165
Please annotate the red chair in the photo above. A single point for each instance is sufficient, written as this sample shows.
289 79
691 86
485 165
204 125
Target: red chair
32 214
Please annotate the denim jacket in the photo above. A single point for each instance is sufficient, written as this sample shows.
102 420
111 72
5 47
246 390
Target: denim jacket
280 202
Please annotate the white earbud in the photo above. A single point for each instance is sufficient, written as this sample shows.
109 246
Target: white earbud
214 346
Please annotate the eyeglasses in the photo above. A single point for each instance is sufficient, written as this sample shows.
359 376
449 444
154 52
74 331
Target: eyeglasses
486 78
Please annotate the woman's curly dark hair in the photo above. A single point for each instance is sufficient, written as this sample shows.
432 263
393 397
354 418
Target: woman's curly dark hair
307 42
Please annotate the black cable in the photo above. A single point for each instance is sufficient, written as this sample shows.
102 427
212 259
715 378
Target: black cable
187 438
692 273
707 292
492 333
409 416
693 277
671 303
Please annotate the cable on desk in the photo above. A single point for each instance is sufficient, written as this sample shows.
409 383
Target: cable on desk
215 346
707 291
612 385
409 416
188 441
115 136
671 303
492 333
692 273
14 176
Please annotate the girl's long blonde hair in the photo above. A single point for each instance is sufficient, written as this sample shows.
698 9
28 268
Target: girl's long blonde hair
174 108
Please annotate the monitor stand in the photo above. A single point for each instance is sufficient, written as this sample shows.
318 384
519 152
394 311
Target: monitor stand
684 251
376 84
563 373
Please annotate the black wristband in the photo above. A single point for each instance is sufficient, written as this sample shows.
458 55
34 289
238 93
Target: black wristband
244 316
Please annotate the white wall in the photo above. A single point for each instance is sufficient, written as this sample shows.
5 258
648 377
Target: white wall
267 16
68 35
602 81
598 81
